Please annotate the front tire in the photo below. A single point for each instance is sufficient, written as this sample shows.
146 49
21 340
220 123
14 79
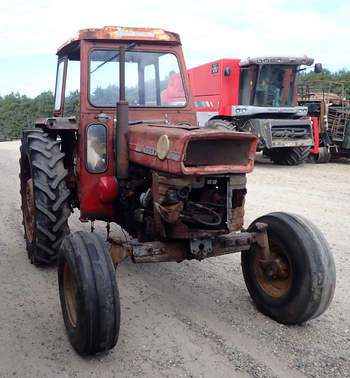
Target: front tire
44 195
88 293
304 284
289 155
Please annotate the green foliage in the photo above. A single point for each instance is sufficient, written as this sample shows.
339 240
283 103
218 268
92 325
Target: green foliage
327 81
72 104
20 112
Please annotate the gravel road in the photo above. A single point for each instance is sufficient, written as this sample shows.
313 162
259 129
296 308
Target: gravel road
193 319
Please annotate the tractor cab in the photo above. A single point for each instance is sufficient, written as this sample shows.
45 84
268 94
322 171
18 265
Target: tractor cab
92 59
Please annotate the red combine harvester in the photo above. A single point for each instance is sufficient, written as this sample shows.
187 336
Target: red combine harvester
256 95
137 158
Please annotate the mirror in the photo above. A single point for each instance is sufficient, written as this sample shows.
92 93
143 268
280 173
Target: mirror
318 67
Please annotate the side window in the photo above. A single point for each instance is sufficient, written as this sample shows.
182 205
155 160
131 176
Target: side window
131 83
104 77
150 85
173 93
72 91
59 84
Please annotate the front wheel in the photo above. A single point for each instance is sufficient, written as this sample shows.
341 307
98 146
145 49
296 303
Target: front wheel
88 293
289 155
297 282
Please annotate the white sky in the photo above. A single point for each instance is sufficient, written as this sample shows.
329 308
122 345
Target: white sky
32 30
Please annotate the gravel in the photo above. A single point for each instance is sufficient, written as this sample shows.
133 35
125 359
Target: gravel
193 319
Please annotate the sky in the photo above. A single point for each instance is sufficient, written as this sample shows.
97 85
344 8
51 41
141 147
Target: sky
32 30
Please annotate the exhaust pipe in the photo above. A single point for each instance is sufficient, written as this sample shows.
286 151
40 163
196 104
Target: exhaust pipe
122 123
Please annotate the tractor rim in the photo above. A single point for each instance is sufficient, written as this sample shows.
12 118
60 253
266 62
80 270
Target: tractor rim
278 283
28 210
70 297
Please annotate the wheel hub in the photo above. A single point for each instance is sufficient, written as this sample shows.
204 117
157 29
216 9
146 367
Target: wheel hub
29 209
70 297
274 275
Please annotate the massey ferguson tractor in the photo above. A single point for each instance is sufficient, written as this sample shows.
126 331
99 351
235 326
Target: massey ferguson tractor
256 95
177 190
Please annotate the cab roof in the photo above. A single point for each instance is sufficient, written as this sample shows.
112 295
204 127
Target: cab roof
290 60
120 33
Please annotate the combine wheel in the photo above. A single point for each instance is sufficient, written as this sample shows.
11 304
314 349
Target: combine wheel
324 156
297 282
289 155
44 196
220 124
88 293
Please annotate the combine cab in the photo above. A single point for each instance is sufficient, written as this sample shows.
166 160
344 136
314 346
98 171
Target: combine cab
256 95
136 157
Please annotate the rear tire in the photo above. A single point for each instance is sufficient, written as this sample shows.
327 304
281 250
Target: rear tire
88 293
304 285
220 124
289 155
44 196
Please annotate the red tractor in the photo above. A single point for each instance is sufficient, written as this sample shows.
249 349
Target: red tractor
136 158
256 95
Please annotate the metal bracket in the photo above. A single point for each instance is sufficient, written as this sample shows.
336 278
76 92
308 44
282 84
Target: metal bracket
262 239
201 247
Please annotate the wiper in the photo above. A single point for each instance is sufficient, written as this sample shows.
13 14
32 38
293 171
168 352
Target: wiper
146 121
131 45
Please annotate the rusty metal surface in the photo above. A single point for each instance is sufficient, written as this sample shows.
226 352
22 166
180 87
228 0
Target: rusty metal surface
122 140
181 231
274 274
162 251
159 226
119 33
143 149
237 218
58 123
119 250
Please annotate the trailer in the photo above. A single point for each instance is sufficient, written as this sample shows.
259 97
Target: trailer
330 113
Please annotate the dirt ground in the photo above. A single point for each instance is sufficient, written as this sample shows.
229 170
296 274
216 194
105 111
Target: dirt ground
193 319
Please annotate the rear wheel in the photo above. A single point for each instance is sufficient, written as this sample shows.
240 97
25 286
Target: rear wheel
88 293
324 155
220 124
44 196
297 282
289 155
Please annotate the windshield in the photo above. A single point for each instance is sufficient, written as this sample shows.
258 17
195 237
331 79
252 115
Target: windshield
151 79
268 85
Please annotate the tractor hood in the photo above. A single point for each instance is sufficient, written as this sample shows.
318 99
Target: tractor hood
183 150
